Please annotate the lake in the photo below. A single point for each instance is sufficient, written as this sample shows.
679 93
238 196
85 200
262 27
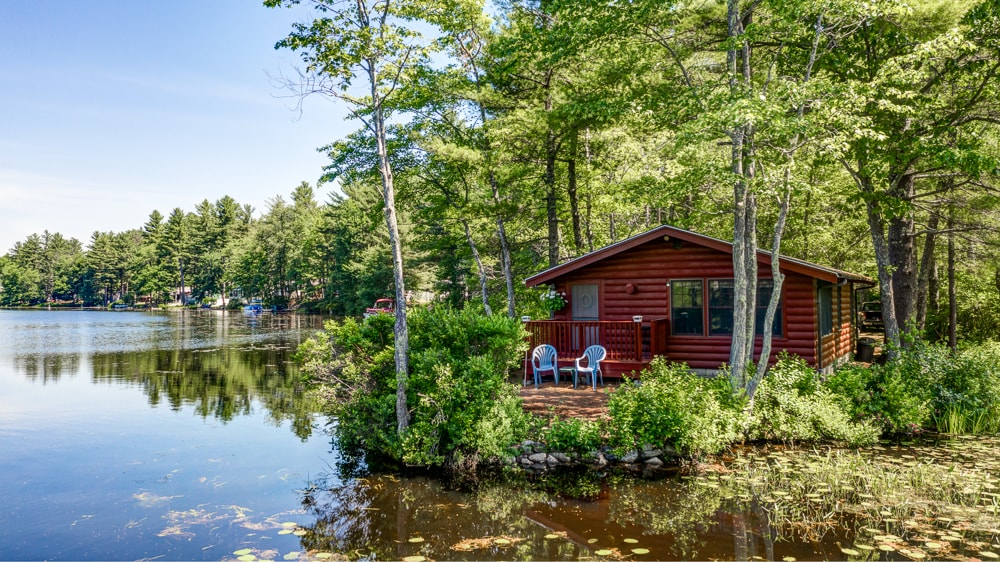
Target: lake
187 436
134 435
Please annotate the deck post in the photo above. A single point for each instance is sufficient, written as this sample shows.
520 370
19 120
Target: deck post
637 321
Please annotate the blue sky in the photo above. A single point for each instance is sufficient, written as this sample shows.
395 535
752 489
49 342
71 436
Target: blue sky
110 109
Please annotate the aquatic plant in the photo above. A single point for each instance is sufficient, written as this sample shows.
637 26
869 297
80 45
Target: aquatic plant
888 498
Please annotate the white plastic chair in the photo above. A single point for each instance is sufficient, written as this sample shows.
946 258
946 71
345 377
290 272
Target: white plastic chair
594 355
544 358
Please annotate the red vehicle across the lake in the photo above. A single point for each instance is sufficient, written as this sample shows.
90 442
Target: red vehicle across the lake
381 306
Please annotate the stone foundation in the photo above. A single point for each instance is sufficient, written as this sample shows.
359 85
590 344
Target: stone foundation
535 457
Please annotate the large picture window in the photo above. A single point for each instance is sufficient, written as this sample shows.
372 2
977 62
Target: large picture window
687 307
687 311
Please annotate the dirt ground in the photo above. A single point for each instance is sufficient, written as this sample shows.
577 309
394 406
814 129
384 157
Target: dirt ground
565 401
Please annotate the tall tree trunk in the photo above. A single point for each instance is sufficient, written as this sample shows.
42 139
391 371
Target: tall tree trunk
549 181
777 280
551 209
590 222
400 330
952 291
903 257
882 260
180 266
927 262
744 206
574 202
505 262
479 267
933 294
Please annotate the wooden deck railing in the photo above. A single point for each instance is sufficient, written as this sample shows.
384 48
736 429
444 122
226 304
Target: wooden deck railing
624 340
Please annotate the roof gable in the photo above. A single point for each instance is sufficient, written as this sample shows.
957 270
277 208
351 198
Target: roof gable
786 263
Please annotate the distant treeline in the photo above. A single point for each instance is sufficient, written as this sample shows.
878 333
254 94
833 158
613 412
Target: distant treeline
530 133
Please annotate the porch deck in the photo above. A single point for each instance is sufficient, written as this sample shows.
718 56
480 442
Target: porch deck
631 345
566 402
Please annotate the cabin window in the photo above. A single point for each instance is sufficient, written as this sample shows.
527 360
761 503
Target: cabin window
721 299
764 289
825 310
720 307
687 307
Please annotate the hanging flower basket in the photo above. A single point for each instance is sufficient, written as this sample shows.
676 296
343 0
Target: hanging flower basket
552 300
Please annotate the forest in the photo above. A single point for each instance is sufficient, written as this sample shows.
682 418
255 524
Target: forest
509 137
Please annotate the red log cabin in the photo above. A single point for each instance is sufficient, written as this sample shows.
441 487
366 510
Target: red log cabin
669 292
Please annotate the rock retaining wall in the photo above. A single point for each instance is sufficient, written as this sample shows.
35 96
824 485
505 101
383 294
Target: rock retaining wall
535 457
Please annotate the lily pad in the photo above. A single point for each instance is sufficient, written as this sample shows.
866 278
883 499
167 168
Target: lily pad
603 552
989 554
285 532
294 555
247 558
591 541
299 533
242 551
416 539
630 541
850 551
551 536
413 559
640 551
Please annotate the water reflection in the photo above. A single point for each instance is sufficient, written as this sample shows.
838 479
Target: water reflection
168 436
46 368
221 364
387 517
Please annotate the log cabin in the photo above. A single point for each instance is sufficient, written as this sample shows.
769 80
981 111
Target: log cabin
669 292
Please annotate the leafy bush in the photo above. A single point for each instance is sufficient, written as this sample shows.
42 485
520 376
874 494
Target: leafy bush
966 393
458 397
926 387
673 406
572 435
790 406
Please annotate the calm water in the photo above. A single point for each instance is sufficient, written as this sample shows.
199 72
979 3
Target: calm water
130 435
185 436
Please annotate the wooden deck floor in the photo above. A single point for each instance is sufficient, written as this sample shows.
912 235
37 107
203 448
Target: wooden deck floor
565 401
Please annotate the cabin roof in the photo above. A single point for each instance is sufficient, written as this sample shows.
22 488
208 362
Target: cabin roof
803 267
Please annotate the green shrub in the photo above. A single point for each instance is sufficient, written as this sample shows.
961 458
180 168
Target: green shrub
572 435
457 394
926 387
789 406
673 406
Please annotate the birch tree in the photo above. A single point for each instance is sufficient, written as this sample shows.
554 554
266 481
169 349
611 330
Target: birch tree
364 54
